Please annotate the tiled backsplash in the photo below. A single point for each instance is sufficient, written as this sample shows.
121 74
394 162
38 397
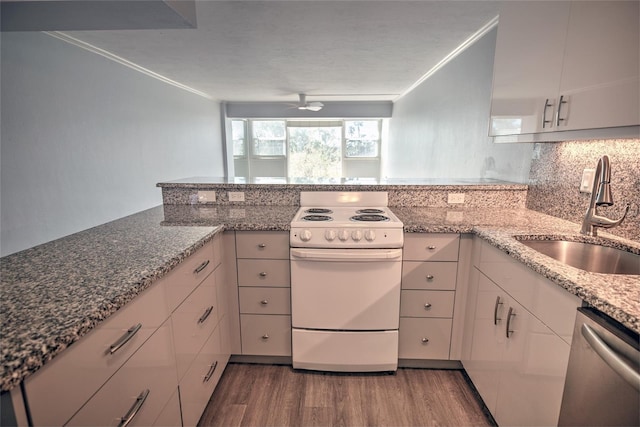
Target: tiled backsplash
556 172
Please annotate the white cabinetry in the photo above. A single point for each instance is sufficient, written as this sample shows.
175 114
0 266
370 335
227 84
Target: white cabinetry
140 361
264 292
566 65
518 347
427 297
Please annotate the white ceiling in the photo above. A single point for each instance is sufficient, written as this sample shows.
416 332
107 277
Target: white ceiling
330 50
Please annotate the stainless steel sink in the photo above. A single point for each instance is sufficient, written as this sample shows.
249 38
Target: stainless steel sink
590 257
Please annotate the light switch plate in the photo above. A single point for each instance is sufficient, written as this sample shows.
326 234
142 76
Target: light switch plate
586 184
455 198
236 196
206 196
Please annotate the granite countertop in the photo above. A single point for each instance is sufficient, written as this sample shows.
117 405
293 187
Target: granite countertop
55 293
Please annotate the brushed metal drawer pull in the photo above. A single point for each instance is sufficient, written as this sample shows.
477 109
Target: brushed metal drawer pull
212 369
427 306
262 245
510 315
425 340
495 311
547 104
264 302
125 338
142 397
263 274
431 248
206 314
558 119
430 277
265 337
201 267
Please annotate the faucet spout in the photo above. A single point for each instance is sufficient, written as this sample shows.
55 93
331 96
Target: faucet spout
600 196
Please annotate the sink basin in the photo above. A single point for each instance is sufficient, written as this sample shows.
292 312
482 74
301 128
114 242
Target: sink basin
590 257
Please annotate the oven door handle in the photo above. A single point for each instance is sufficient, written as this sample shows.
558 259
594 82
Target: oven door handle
346 254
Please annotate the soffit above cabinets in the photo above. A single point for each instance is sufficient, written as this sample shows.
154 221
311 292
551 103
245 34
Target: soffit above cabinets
84 15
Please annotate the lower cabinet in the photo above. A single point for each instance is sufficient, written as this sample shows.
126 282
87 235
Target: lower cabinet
140 389
156 361
515 359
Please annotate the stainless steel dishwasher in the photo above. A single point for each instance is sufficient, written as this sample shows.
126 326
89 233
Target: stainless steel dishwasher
602 387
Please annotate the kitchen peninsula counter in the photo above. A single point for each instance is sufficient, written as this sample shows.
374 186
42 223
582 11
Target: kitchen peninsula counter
55 293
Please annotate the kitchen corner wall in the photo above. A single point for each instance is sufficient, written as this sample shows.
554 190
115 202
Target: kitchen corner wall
85 139
556 172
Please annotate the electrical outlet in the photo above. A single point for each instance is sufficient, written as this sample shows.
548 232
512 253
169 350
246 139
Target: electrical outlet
236 196
455 198
586 184
206 196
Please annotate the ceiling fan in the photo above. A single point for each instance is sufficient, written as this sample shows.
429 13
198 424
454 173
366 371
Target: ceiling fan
311 106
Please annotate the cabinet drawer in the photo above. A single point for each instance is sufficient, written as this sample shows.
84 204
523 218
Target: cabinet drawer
266 335
424 338
258 272
426 303
201 379
85 366
183 279
262 244
265 300
431 246
429 275
150 368
193 322
170 415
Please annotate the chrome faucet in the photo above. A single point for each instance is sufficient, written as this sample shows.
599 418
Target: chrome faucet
600 196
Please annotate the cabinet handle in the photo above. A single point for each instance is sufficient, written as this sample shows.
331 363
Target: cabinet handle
510 315
427 306
558 119
142 397
425 340
263 274
201 267
206 314
212 369
264 302
495 310
262 245
265 337
544 113
430 277
431 248
125 338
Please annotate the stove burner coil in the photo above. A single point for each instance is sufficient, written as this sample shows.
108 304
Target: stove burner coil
369 211
318 211
316 218
369 218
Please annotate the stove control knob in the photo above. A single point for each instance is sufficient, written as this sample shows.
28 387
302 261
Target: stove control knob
343 235
370 235
330 235
305 235
356 235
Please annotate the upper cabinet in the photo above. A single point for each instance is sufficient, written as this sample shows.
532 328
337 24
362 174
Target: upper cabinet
566 66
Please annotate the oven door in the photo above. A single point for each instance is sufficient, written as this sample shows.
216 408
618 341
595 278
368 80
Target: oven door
346 289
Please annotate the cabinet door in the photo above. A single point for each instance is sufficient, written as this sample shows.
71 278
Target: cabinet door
600 78
527 66
488 342
152 368
193 322
533 369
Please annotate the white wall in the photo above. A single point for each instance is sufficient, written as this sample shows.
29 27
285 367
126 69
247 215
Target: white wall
439 130
85 140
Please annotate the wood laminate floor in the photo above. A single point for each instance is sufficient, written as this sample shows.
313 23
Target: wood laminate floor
272 395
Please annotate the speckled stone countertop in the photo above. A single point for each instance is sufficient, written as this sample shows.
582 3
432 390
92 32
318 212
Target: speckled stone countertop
54 293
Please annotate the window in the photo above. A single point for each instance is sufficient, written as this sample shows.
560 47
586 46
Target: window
298 148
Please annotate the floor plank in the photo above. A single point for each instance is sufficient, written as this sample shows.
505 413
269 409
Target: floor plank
276 395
